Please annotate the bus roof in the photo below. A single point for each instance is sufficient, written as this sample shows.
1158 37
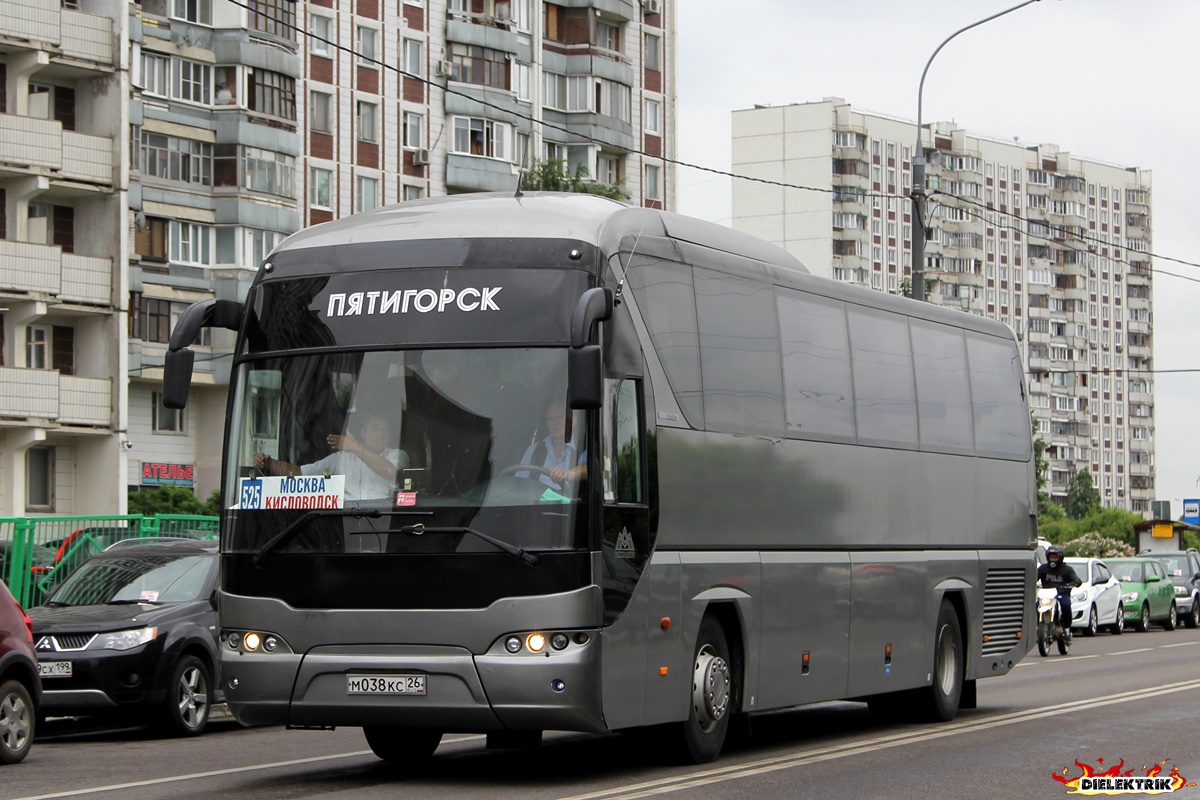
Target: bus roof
587 218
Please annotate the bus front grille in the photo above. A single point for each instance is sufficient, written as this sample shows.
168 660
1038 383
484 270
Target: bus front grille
1003 609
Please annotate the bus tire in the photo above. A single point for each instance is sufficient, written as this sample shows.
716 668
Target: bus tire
948 666
711 697
402 745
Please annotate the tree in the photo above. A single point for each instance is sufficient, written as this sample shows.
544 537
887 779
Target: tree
1048 510
173 500
555 175
906 287
1083 498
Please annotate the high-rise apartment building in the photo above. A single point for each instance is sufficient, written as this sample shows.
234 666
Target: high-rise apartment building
420 98
153 152
1055 245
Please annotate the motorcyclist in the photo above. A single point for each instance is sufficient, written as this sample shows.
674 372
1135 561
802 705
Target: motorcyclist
1057 574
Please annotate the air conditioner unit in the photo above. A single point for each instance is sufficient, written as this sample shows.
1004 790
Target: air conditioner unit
420 157
444 69
650 6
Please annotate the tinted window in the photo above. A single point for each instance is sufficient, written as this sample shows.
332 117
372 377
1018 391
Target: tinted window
816 366
884 398
668 305
998 388
739 354
943 391
1102 574
1131 571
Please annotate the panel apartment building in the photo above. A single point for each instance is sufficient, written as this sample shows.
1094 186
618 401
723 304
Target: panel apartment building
422 98
1055 245
153 152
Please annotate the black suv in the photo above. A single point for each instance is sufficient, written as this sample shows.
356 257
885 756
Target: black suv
134 629
20 689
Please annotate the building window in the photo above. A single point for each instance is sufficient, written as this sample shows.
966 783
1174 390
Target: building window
191 243
167 420
366 121
366 193
321 35
653 52
149 318
608 169
479 65
273 93
275 17
481 137
567 92
653 183
414 58
320 184
653 116
262 242
614 99
320 119
197 11
37 347
39 479
413 123
176 159
365 49
156 74
270 172
192 81
413 193
608 37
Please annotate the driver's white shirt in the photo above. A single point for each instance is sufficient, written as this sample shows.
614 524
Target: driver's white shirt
362 482
568 460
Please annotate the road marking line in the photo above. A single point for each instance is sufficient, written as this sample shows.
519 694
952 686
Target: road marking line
218 772
1127 652
721 774
1181 644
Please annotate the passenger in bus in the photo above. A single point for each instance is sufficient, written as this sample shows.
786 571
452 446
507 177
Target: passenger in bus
370 463
556 452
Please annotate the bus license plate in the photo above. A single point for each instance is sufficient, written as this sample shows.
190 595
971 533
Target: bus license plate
385 684
54 669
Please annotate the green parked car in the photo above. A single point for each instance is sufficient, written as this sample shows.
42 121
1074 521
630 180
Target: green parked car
1147 595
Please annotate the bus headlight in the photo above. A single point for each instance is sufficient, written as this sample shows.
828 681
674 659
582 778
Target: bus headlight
536 642
513 644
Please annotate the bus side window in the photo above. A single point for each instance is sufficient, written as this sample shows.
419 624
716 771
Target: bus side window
623 442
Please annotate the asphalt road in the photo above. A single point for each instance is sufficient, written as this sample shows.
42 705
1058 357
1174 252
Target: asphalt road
1131 698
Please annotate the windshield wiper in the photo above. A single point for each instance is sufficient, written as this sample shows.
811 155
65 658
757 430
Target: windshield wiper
301 522
521 554
131 602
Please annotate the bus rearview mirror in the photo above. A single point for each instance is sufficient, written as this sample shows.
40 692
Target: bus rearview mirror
585 376
177 377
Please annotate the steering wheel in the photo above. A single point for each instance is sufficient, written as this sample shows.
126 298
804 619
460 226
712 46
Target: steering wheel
515 468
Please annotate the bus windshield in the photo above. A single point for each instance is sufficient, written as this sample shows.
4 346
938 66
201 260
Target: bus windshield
441 443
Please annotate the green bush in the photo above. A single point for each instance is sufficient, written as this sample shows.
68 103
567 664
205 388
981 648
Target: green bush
173 500
1093 545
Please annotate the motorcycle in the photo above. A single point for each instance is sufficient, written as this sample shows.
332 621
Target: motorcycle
1049 626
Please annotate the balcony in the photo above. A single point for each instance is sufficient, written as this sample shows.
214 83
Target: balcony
47 271
42 145
79 36
46 395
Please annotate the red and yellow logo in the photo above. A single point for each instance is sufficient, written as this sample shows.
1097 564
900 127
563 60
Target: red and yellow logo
1098 780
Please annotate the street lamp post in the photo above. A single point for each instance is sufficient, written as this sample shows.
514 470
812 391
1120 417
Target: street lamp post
917 194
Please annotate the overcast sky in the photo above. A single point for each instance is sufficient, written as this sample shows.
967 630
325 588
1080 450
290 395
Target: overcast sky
1109 80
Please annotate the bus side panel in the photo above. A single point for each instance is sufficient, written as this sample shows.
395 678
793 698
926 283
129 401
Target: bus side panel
890 599
805 609
637 648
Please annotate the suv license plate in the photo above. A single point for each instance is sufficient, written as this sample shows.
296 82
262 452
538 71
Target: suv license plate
54 669
385 684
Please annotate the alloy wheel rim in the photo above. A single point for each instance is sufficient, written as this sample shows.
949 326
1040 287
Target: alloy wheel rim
193 697
14 723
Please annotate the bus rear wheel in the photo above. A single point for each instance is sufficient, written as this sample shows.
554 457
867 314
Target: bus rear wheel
711 700
402 745
948 666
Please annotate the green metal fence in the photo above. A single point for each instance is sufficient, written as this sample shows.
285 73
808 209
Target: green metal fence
37 553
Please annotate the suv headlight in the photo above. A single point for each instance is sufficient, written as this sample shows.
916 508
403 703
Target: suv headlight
1181 591
123 640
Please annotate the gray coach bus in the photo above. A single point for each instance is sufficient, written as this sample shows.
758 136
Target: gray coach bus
637 470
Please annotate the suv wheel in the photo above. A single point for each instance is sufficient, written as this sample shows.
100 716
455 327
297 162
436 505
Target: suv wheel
1192 620
16 722
185 711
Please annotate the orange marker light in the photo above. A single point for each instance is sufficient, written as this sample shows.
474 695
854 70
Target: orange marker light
666 623
662 670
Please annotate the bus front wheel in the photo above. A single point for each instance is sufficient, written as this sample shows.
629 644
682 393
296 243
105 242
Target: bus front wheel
402 745
711 697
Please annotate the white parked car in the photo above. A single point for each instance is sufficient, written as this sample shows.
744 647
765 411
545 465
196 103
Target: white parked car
1097 603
